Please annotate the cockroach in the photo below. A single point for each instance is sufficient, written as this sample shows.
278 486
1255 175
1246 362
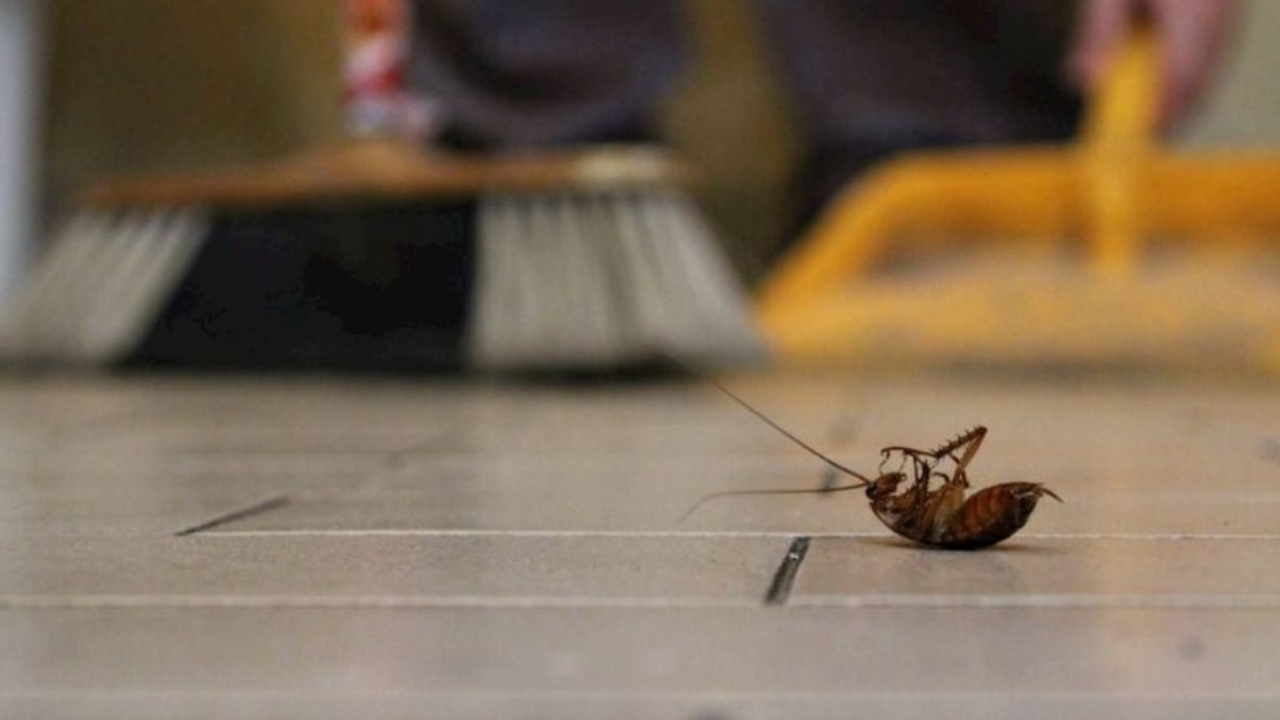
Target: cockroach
910 505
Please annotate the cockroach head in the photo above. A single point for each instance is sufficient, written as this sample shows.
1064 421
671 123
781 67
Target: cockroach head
885 485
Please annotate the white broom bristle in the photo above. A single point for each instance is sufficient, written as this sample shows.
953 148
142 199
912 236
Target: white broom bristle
106 277
591 278
598 280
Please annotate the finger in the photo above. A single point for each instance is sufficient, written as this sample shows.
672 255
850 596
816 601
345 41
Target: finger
1193 33
1099 31
1181 68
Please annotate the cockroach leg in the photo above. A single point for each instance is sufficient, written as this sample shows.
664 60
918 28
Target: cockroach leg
972 440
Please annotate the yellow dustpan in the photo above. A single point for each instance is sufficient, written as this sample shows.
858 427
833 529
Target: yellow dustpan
879 280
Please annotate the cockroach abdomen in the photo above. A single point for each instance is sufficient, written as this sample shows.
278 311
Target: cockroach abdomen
991 515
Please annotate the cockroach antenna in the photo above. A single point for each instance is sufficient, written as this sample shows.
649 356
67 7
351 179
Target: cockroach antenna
864 481
815 491
787 434
945 517
768 421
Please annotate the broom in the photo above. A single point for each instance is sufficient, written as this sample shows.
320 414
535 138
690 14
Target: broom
588 260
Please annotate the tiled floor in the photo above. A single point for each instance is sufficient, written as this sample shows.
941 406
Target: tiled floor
321 548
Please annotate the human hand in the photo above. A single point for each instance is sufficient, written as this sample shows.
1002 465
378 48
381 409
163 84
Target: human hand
1192 35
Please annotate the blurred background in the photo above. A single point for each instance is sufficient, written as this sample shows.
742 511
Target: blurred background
157 85
136 86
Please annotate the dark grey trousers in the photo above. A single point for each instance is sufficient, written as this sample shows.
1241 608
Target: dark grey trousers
868 77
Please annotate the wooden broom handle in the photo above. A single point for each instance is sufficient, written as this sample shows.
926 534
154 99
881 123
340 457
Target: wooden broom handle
389 169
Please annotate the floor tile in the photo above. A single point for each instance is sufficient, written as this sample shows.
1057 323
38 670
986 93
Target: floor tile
1119 651
1043 570
33 518
593 503
475 549
461 569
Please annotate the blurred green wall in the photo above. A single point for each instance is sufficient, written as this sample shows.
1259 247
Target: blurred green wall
163 84
1243 106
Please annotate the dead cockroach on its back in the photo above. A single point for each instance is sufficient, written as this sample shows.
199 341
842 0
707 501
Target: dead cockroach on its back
918 499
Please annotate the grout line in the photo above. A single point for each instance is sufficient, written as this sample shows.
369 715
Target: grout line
780 589
1046 601
1249 537
472 532
258 508
467 532
909 698
267 602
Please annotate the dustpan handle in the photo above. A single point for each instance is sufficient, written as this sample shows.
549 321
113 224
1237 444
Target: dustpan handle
1118 133
1123 109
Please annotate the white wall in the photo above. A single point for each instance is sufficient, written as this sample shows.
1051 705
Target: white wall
20 63
1243 107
